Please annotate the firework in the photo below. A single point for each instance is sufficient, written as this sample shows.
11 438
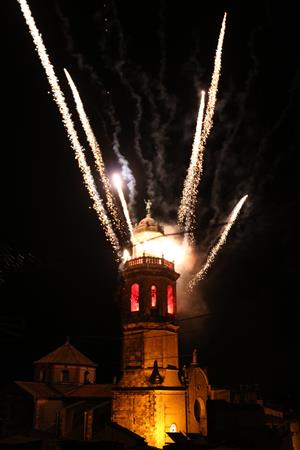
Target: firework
118 184
189 195
69 126
95 149
214 251
190 190
184 207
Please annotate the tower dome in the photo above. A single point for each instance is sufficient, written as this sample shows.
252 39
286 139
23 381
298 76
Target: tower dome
146 236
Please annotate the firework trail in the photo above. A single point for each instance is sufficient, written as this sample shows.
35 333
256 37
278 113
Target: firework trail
109 109
214 251
224 163
213 89
118 184
96 151
69 126
189 197
189 180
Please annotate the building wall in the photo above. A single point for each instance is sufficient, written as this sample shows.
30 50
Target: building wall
142 347
46 413
197 394
16 411
52 373
150 413
295 432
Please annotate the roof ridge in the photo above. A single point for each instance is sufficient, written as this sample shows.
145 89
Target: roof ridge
66 354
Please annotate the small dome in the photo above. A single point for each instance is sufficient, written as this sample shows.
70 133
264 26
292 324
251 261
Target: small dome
148 224
146 234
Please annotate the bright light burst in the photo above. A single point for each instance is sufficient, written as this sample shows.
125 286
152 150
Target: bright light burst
163 246
95 149
118 184
214 251
154 243
69 126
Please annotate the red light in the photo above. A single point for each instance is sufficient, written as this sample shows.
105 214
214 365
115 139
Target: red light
153 296
134 299
170 294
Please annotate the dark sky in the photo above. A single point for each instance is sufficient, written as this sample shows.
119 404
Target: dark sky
139 67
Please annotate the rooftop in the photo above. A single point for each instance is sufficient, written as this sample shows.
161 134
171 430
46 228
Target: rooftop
66 354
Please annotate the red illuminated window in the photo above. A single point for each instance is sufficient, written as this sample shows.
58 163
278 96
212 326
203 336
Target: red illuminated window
153 296
134 298
170 294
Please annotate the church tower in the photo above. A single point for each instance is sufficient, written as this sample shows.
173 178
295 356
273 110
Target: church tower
150 398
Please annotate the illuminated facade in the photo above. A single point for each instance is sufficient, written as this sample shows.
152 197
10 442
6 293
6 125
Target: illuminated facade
151 399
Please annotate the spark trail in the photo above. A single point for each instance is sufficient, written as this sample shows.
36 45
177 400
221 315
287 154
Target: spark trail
183 211
69 126
96 151
187 207
214 251
118 183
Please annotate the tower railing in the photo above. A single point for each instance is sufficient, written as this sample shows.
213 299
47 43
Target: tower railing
149 261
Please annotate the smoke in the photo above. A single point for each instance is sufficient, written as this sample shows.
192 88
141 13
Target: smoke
13 261
187 263
109 109
225 162
146 91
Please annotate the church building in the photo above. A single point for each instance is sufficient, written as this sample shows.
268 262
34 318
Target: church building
153 398
154 402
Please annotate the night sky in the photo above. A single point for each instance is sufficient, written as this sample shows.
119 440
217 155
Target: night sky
139 67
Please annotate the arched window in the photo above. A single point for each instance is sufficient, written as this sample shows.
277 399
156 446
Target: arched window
153 296
170 295
173 428
86 377
134 298
197 410
65 376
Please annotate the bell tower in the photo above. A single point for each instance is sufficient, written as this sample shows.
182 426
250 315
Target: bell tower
149 399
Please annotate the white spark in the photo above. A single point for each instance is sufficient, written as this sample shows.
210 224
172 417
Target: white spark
190 196
213 253
95 149
118 185
69 126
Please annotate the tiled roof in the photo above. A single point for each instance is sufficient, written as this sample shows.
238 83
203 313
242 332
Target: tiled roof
66 354
92 390
38 390
85 391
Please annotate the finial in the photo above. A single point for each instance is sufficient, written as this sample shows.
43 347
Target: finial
68 340
148 206
195 357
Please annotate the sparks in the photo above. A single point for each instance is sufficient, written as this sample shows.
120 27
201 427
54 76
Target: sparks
213 253
184 206
161 246
118 184
95 149
190 194
69 126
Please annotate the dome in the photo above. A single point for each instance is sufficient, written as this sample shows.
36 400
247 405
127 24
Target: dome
148 224
145 235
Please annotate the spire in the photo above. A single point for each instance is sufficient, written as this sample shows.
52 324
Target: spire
195 358
67 340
